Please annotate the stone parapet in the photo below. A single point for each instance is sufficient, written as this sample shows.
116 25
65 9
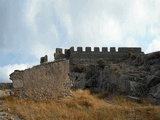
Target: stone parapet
89 56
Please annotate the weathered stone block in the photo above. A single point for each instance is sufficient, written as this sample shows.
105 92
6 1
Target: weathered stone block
96 49
71 49
79 49
104 49
44 59
59 50
17 83
88 49
66 53
5 93
112 49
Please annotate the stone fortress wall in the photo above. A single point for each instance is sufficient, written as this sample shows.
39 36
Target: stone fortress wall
49 79
88 56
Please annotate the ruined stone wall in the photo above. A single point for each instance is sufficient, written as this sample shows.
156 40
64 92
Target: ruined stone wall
89 56
43 81
4 86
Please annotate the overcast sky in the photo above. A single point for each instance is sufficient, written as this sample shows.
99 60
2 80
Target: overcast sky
30 29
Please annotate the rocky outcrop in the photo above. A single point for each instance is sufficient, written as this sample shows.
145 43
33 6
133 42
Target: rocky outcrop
137 76
154 94
78 80
5 93
112 78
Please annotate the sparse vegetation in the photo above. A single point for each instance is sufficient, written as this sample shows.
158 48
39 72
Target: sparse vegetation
79 68
133 56
92 72
101 62
82 106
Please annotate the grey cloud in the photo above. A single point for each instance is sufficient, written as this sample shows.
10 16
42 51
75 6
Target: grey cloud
12 27
65 23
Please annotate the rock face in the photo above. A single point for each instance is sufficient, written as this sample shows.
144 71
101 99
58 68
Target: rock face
137 76
154 94
43 81
112 78
78 80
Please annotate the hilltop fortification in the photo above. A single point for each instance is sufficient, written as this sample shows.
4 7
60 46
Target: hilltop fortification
51 78
88 56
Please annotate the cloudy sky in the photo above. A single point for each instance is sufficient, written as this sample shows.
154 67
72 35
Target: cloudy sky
30 29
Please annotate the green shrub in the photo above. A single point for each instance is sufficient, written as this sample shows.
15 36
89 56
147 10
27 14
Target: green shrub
92 72
79 68
101 62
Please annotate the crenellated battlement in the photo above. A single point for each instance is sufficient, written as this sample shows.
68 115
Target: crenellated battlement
104 50
44 59
89 56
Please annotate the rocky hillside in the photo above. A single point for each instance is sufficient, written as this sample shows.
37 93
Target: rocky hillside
136 76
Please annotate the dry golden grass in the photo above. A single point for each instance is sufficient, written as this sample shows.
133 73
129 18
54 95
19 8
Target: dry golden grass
82 106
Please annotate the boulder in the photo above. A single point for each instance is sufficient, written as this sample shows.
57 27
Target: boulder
152 80
137 88
5 93
78 80
154 94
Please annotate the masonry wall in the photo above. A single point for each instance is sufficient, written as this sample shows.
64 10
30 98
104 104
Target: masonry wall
88 56
43 81
92 57
4 86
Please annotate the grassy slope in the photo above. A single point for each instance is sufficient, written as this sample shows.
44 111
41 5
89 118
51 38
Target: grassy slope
82 106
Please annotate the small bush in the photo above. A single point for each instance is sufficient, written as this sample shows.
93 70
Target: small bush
101 62
92 72
79 68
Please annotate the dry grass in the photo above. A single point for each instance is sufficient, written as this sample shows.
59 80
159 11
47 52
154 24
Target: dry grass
82 106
